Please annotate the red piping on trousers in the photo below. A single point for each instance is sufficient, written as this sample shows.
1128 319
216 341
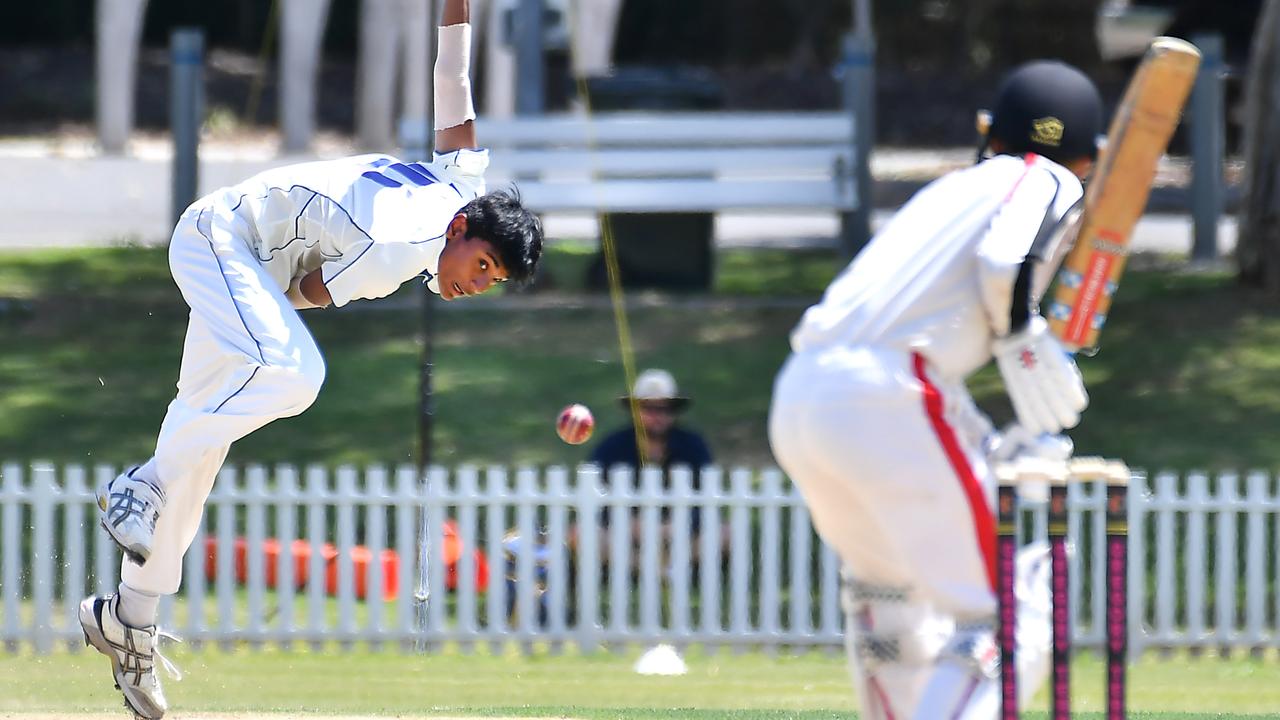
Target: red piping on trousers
873 684
882 697
983 523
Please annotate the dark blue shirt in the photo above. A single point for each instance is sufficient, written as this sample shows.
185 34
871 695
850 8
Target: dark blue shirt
684 447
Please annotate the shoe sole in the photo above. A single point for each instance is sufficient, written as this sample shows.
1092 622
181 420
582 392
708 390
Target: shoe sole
94 638
137 554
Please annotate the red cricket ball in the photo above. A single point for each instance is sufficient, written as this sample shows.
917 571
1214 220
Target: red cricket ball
575 424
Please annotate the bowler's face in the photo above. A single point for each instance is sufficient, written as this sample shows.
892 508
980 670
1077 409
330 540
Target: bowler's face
468 266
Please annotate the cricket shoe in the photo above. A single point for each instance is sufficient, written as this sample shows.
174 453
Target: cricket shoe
128 507
132 652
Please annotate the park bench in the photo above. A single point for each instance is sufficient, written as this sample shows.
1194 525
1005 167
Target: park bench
662 176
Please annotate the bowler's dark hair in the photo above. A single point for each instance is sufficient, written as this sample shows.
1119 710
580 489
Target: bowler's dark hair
513 231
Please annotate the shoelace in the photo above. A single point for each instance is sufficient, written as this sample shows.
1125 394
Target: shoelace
170 668
125 504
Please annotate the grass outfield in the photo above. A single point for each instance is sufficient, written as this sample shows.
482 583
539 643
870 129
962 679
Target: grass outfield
92 338
601 686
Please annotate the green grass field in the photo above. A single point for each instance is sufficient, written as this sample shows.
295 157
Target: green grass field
601 686
92 341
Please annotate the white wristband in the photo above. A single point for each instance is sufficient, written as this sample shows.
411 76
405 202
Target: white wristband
453 104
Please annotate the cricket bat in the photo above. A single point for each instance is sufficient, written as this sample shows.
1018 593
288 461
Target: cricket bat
1117 194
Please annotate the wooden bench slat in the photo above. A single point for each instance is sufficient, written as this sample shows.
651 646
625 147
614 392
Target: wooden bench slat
661 129
662 161
671 162
686 195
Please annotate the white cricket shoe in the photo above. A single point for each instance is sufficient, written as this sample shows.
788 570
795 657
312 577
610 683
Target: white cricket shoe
132 652
128 507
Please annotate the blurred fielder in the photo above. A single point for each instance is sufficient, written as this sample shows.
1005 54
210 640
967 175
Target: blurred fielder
871 417
246 259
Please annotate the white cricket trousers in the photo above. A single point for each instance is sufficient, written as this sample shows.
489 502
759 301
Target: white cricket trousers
248 359
888 458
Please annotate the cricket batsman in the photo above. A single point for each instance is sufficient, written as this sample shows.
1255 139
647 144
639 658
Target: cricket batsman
871 418
247 258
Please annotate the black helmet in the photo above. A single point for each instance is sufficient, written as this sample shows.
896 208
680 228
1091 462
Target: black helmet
1048 108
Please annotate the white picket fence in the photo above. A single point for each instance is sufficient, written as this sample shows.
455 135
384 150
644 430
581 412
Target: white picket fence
1204 560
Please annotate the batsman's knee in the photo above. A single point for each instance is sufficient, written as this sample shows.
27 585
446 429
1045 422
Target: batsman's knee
893 640
885 624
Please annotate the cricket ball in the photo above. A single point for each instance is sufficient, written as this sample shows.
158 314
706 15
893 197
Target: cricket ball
575 424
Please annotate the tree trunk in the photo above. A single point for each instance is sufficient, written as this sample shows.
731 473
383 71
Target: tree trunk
302 33
595 26
1258 249
118 31
376 74
418 33
500 66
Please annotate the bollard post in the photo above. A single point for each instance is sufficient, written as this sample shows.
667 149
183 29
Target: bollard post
1207 141
186 107
858 68
529 57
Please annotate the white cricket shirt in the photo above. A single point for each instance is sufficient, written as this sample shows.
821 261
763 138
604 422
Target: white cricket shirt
942 276
370 221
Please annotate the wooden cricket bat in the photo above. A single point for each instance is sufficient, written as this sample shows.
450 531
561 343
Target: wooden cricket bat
1117 194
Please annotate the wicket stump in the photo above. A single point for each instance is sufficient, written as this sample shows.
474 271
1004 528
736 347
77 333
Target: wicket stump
1059 476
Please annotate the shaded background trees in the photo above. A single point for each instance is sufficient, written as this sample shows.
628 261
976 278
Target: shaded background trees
937 58
1258 251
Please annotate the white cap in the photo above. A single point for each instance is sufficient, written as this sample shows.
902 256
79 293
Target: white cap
654 384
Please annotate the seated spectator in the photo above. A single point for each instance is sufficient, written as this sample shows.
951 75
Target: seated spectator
662 443
658 403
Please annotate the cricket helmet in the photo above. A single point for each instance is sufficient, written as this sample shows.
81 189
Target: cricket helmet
1049 108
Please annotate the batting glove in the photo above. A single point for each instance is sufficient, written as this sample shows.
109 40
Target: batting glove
1015 441
1017 444
1041 378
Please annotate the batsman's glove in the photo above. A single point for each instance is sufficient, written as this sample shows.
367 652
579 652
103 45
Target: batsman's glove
1015 441
1041 378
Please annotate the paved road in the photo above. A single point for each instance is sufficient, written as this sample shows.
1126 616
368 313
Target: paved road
63 193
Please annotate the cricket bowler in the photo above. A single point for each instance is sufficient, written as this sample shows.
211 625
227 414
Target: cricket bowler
247 258
872 420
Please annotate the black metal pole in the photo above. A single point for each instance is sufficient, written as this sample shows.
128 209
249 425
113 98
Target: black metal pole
426 400
426 393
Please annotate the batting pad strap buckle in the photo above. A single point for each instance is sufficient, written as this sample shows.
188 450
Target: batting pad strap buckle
855 590
974 647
